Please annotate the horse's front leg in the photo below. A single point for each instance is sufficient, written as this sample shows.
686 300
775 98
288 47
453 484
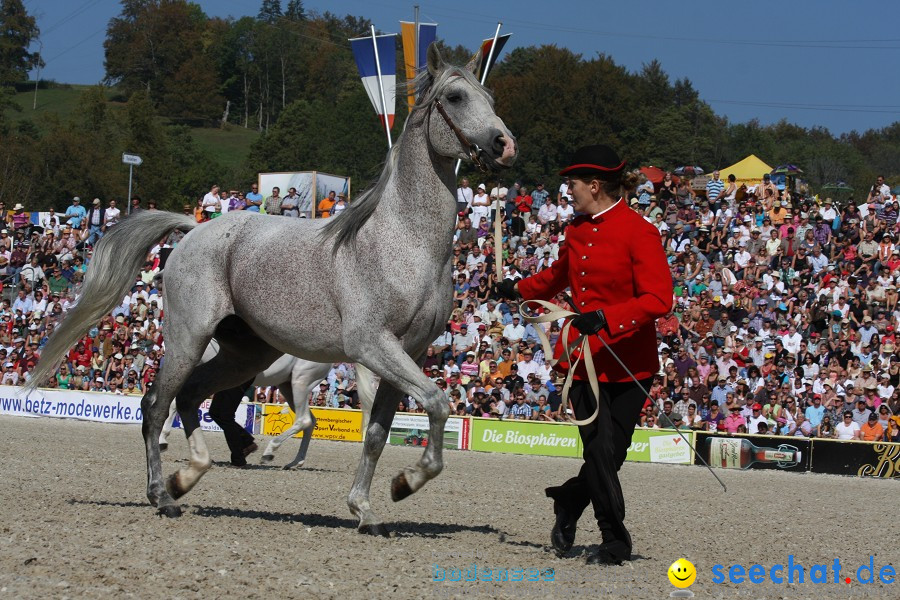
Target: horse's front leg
384 408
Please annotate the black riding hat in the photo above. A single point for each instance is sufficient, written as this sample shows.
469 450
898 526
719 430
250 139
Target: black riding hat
594 159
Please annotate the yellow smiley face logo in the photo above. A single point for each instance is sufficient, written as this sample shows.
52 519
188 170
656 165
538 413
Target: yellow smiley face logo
682 573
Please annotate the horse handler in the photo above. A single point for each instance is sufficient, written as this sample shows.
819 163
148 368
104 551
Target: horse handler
222 408
614 264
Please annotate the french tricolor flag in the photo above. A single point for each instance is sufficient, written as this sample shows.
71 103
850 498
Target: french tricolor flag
364 53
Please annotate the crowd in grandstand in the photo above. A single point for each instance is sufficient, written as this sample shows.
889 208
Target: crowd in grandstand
783 322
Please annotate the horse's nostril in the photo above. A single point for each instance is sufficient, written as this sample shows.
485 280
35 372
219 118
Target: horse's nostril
498 144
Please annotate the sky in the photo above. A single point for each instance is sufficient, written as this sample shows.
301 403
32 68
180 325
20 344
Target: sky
815 63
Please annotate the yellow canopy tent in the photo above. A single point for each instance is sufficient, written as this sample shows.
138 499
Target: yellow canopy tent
749 171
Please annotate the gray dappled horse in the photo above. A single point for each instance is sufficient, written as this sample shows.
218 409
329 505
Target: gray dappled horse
371 286
295 378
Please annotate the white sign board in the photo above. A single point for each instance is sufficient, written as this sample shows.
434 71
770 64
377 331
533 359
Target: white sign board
132 159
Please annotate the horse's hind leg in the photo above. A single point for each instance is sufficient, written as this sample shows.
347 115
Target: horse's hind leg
174 372
365 386
167 428
384 408
304 376
304 421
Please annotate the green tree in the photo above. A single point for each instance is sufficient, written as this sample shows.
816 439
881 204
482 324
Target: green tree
149 43
341 138
270 11
18 31
294 10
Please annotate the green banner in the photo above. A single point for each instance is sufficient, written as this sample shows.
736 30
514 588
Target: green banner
525 437
660 446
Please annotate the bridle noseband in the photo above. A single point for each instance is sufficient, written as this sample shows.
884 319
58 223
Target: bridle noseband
476 153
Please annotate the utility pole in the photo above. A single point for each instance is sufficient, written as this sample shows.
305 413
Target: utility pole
38 78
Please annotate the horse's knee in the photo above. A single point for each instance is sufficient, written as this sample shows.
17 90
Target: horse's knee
376 436
304 422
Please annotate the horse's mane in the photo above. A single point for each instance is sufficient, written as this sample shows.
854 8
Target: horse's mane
345 227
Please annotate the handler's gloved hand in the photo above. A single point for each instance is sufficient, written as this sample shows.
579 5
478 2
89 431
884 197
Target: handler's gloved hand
507 289
589 323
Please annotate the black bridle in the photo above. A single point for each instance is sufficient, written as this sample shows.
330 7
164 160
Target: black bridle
476 153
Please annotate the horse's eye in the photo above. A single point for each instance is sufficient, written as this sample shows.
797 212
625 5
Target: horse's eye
454 98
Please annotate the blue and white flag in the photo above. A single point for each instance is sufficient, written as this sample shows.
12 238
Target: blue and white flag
364 53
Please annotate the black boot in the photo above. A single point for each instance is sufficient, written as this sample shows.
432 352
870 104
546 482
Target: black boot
562 536
239 459
613 551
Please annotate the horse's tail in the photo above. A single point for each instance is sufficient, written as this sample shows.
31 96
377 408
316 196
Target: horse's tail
117 258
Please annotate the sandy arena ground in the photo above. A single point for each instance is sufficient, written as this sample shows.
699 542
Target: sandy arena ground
74 522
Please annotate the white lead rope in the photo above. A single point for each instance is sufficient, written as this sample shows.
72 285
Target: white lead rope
581 345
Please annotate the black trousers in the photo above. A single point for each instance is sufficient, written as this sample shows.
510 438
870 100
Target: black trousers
222 409
606 442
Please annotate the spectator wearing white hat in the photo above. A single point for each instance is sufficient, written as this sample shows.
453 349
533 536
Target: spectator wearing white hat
481 205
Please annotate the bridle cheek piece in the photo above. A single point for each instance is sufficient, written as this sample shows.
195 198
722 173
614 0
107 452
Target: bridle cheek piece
476 153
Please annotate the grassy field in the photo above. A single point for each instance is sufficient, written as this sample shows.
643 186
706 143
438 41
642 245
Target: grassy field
60 101
229 146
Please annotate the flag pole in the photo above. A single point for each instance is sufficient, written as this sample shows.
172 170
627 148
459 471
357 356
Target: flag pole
387 126
484 75
498 223
416 40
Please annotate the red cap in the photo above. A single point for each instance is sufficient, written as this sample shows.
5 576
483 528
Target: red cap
819 396
757 406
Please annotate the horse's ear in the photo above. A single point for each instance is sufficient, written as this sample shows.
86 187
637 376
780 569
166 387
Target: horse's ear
434 61
474 64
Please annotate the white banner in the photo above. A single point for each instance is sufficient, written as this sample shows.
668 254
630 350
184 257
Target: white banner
412 430
101 407
669 449
70 404
243 415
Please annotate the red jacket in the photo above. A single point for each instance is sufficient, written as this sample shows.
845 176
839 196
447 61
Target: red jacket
614 262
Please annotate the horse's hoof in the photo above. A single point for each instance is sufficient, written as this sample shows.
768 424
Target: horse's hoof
400 488
266 459
174 487
376 529
173 511
163 447
292 466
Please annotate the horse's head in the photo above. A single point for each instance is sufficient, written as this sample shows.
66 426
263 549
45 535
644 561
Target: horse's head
462 122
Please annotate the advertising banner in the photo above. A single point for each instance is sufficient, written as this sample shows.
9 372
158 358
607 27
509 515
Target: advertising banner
660 446
70 404
412 430
101 407
762 443
524 437
861 459
342 424
304 182
311 186
243 416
